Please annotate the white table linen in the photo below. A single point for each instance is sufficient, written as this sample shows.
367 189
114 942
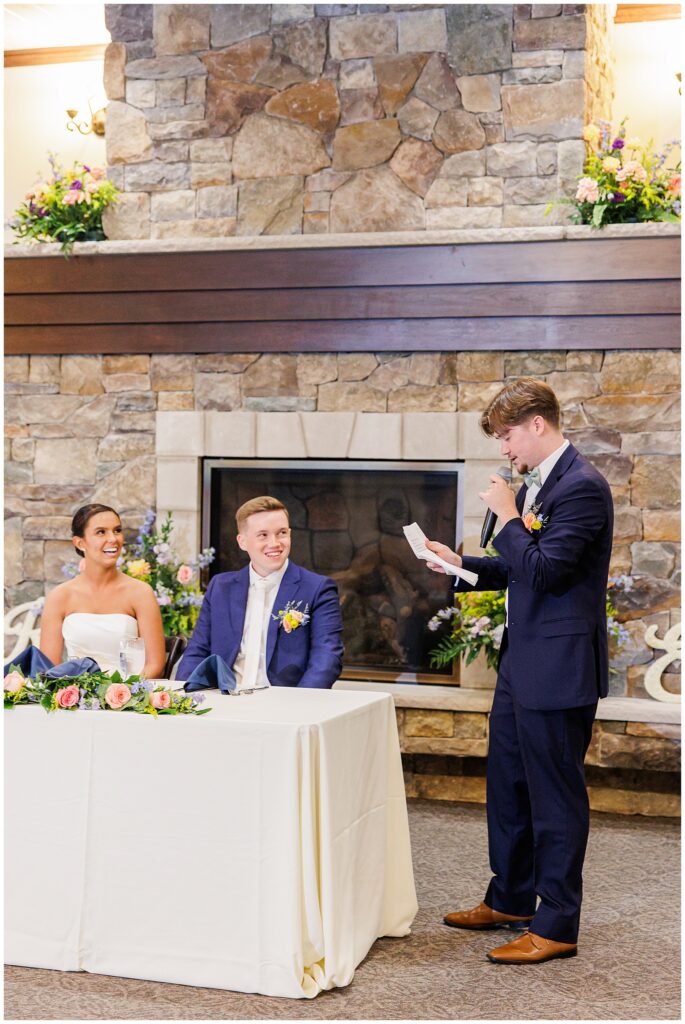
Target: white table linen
261 848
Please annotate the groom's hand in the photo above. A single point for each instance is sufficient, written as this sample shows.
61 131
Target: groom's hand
444 552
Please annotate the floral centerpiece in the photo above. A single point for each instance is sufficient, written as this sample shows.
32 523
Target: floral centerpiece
624 181
65 206
95 691
476 623
176 584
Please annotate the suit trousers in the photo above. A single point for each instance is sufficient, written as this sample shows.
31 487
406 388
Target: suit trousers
537 810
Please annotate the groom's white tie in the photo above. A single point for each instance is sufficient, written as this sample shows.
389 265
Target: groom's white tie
253 641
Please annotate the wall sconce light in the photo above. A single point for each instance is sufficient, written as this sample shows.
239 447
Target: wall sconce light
96 125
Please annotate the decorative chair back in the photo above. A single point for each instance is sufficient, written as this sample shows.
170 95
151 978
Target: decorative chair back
20 627
174 647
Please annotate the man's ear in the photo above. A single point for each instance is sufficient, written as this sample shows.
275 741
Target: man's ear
241 542
539 424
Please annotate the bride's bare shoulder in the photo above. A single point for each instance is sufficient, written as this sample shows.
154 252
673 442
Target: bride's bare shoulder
59 597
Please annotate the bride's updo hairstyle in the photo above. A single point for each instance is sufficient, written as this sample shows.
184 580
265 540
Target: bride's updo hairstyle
83 516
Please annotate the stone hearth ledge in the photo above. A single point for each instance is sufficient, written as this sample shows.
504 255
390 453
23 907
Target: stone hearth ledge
459 698
353 240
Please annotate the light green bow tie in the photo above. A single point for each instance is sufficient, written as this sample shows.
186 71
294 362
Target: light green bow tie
533 479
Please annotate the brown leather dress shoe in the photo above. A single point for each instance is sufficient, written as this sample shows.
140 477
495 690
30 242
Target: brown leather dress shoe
532 949
482 918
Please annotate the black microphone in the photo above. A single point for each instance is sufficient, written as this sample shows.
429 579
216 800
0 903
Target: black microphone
490 517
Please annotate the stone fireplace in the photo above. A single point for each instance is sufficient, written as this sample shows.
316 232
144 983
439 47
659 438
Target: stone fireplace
281 119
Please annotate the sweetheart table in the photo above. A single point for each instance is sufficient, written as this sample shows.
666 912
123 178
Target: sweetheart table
263 847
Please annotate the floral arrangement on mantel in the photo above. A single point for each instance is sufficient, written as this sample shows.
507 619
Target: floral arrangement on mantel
95 691
65 206
176 584
476 622
624 181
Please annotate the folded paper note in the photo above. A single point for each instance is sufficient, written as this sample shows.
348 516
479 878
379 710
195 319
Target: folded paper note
417 542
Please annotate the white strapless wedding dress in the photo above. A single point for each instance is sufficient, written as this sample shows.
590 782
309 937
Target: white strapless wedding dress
96 635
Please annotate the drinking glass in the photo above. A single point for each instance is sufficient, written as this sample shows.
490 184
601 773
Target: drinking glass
131 656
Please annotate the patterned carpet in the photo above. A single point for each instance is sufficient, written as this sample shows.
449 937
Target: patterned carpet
628 965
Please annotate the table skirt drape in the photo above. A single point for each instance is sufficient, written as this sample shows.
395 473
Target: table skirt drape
261 848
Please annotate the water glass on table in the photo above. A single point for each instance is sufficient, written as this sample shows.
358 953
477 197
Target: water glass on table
131 656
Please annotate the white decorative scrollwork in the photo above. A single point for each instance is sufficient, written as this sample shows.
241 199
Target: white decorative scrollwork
20 622
671 645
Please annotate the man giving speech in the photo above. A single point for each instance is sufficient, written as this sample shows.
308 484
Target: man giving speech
554 546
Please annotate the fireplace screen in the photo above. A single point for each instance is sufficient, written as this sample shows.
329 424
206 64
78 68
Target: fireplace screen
346 519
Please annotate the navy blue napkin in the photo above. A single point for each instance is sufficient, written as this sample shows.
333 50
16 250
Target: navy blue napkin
210 673
31 661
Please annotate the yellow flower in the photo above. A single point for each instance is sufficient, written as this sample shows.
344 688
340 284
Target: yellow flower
537 525
610 164
138 568
591 134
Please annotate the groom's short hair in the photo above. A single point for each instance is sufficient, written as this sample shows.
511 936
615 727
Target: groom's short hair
264 503
517 402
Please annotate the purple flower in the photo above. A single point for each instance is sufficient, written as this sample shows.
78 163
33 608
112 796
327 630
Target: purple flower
618 197
95 704
86 167
617 144
198 698
77 184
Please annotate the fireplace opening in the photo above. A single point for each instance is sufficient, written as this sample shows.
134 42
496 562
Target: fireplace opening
346 519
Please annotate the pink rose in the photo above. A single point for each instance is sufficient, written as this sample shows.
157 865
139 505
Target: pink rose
117 695
633 169
587 191
14 682
97 173
67 697
674 185
184 575
160 699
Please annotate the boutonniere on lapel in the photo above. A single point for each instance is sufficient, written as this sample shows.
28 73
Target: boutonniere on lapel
532 520
291 617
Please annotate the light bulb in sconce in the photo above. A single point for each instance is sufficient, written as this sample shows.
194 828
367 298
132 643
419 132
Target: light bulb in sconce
95 126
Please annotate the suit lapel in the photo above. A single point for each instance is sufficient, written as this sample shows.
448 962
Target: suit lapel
237 603
565 460
521 498
286 592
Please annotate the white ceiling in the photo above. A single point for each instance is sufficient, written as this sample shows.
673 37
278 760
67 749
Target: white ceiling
32 26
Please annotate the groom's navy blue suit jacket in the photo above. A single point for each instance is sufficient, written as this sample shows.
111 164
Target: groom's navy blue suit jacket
557 578
310 655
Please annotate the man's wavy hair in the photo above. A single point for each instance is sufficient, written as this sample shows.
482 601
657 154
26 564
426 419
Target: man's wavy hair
264 503
518 402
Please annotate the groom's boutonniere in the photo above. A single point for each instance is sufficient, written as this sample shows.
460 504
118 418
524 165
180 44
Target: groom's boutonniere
532 520
291 617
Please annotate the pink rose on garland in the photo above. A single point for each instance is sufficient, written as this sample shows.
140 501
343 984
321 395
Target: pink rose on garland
67 697
587 191
184 575
14 682
117 695
161 700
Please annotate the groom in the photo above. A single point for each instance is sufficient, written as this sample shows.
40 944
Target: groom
554 547
273 622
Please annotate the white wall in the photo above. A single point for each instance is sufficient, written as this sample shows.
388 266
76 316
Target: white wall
648 55
36 99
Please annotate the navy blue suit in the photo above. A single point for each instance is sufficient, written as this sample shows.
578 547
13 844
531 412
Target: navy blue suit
553 669
309 656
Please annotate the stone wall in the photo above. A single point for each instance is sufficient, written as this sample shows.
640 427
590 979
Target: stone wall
300 118
82 428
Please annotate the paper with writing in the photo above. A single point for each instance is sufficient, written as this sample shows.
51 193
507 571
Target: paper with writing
417 541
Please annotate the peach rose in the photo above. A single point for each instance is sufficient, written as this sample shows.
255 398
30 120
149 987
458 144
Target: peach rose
14 682
161 699
674 185
610 164
117 695
528 520
67 697
97 173
587 191
633 169
184 575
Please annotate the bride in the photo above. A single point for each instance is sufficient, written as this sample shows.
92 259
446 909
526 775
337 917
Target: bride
93 612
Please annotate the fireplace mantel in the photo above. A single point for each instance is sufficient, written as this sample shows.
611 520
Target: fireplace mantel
499 289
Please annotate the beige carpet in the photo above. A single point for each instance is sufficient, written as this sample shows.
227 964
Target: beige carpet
628 966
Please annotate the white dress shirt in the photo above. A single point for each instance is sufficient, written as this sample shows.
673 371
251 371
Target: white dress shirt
272 583
545 467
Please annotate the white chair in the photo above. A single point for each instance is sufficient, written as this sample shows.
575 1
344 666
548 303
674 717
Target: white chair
21 627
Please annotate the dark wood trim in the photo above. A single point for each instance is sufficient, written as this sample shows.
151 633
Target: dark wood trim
605 293
54 55
439 335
